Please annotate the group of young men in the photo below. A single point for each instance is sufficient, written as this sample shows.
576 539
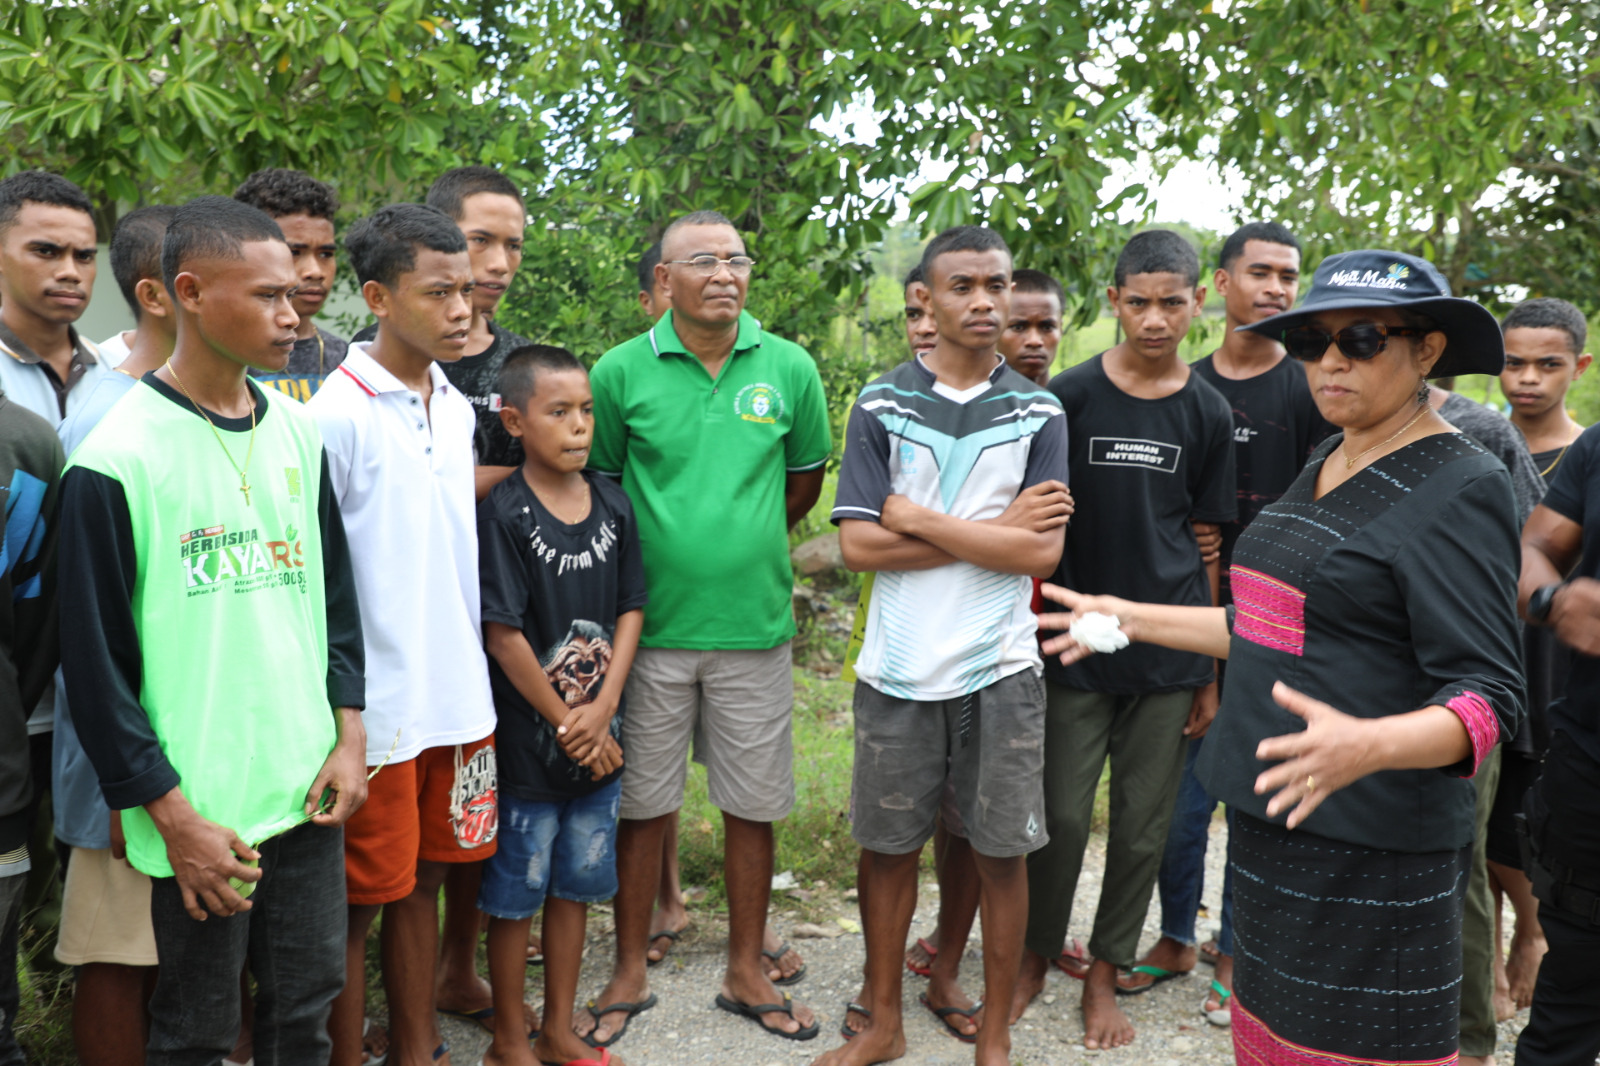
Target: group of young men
341 625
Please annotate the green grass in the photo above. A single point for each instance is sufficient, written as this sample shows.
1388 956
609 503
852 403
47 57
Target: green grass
814 841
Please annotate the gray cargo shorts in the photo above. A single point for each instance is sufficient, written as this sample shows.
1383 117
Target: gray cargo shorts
988 748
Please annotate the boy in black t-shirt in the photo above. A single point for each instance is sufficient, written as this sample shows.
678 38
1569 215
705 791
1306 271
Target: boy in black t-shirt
1151 453
563 592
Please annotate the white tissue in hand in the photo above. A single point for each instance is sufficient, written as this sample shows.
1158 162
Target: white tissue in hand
1099 632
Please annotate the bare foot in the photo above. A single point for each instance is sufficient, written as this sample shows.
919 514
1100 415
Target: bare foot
1104 1024
586 1026
1030 982
881 1043
1522 967
535 949
919 960
374 1041
786 965
752 993
517 1054
1209 953
556 1046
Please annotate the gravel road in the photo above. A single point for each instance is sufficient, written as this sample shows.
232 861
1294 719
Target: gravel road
684 1029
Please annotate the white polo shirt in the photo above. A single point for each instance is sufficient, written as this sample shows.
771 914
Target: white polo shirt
403 475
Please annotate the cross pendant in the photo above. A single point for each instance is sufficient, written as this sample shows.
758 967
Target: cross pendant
244 487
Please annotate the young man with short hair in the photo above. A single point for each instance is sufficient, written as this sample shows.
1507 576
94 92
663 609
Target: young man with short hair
47 271
1545 340
105 910
952 853
136 257
1545 356
47 274
1275 426
715 653
399 444
1152 454
1033 331
200 508
948 693
304 209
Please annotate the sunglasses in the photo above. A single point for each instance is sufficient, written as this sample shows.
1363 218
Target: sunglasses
1359 342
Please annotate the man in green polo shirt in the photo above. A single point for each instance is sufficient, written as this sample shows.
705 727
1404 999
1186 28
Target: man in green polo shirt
719 433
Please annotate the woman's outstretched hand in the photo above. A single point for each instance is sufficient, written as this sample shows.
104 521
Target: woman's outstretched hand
1333 750
1078 605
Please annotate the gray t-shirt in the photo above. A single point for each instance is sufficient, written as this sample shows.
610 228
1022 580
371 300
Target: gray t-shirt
1497 435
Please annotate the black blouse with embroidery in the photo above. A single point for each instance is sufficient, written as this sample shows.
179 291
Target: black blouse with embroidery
1396 590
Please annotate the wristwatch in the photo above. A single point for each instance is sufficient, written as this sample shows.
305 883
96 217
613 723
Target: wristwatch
1539 603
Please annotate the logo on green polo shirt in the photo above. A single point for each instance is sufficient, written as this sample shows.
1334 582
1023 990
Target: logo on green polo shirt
291 474
759 403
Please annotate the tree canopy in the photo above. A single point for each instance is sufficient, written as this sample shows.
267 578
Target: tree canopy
1464 131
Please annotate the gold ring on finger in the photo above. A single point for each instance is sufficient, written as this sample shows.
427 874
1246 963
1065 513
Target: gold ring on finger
1311 783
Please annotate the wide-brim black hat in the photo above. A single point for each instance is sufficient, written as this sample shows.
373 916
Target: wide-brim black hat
1368 278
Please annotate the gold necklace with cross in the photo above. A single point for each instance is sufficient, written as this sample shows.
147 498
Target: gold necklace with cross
243 472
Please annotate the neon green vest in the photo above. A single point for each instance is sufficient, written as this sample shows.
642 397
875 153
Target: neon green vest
230 609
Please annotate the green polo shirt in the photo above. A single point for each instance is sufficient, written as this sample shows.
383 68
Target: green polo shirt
705 464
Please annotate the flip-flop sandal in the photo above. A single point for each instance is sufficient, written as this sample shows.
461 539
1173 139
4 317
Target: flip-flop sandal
1208 953
944 1015
483 1016
844 1026
441 1051
792 979
755 1014
672 936
1222 1017
933 953
631 1010
1155 972
603 1060
1073 961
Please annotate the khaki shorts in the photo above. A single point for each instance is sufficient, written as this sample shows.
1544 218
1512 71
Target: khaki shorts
736 705
105 912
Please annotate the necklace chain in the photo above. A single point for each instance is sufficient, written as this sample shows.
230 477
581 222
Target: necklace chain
1351 460
243 472
1556 461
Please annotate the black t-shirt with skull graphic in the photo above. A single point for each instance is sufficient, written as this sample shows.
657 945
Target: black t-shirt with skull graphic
564 586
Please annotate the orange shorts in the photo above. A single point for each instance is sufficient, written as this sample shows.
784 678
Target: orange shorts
439 807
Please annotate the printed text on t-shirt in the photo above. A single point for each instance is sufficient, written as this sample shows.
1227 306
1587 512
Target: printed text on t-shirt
1130 451
600 544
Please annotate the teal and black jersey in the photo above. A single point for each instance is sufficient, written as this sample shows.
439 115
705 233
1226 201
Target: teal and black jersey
940 633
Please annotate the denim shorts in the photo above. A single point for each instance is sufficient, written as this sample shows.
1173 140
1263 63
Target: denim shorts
567 850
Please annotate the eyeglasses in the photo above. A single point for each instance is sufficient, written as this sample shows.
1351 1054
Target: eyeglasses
707 265
1359 342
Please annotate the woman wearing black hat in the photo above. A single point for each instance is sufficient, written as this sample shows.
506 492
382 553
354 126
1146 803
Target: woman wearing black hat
1372 664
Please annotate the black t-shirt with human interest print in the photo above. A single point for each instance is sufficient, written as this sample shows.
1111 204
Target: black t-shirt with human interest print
1276 425
564 586
1142 470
